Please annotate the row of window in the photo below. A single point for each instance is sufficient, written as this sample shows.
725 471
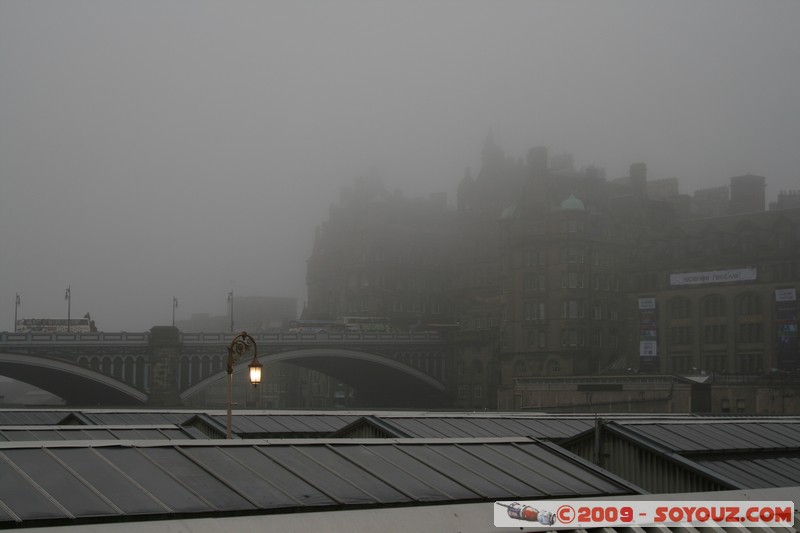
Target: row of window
714 245
577 337
464 390
601 281
536 310
521 369
394 282
717 333
476 367
745 363
715 305
572 254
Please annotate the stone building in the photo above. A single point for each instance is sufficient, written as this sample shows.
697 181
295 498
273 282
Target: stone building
549 271
381 254
718 294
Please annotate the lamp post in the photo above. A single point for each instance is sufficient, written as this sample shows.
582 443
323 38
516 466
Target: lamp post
230 304
239 345
68 298
16 308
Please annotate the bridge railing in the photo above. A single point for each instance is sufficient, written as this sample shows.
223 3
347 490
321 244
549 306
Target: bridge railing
217 338
8 337
124 337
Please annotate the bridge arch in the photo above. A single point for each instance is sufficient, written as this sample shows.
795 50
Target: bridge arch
77 385
380 381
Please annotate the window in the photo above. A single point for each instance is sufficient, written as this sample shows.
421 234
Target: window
749 363
714 334
597 338
572 226
751 332
553 366
477 368
534 282
477 391
716 362
713 305
613 338
572 309
537 338
749 304
572 254
572 280
680 335
533 258
463 391
534 310
597 311
680 363
572 337
520 369
680 308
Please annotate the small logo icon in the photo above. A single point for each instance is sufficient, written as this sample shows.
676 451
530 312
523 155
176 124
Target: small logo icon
529 514
565 514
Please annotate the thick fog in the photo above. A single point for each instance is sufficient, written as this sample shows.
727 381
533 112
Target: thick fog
159 149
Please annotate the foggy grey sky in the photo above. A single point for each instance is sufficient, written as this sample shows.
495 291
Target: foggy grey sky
151 149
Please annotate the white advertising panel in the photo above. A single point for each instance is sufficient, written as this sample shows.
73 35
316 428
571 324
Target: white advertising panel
647 348
647 303
713 276
785 295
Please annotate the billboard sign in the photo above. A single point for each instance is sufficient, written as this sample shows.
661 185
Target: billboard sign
713 276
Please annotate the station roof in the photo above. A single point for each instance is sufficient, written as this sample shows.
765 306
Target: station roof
471 426
65 433
714 435
680 432
59 483
743 453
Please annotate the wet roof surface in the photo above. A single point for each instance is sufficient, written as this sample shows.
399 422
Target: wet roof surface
718 435
545 428
51 483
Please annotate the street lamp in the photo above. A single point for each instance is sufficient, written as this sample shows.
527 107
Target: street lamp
239 345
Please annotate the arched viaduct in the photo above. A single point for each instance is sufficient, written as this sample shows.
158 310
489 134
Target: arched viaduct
164 367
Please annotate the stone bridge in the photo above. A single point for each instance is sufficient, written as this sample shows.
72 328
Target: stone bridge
165 367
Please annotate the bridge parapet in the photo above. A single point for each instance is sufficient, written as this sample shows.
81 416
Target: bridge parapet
161 364
122 337
143 338
281 337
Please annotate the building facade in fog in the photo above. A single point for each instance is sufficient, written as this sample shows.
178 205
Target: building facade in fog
381 254
549 271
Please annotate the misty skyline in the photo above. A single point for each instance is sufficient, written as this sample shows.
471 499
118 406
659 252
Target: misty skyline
151 150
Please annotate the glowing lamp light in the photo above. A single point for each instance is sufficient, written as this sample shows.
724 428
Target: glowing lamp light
255 371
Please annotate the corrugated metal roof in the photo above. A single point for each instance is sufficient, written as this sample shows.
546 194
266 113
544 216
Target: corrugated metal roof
450 426
736 453
718 435
245 424
67 483
761 470
31 417
461 517
133 418
56 433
